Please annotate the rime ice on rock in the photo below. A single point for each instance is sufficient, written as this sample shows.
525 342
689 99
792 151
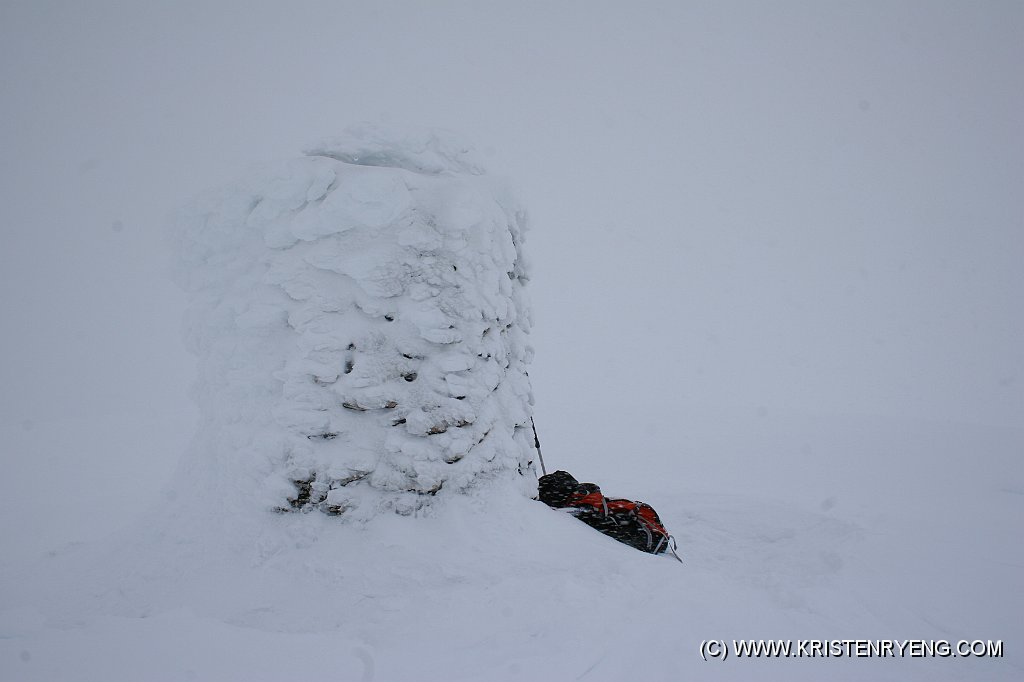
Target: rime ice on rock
361 325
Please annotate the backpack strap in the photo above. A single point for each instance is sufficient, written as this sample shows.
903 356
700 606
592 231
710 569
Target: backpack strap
672 548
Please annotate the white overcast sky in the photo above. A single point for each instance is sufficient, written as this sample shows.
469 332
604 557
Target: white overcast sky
789 206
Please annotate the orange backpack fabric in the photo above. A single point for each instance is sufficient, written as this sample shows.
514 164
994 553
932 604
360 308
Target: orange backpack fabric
633 523
627 515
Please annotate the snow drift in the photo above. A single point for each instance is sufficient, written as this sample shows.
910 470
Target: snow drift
360 322
905 530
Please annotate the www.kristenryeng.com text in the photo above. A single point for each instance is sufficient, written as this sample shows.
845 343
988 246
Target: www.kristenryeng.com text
711 649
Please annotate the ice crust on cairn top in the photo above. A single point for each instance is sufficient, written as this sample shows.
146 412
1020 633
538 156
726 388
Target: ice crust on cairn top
360 322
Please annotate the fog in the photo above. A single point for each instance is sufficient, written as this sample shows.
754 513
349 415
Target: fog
737 209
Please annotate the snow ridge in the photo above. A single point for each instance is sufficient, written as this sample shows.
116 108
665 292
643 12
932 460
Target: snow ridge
361 324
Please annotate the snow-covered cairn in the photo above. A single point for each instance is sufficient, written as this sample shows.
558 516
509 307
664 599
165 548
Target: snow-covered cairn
360 322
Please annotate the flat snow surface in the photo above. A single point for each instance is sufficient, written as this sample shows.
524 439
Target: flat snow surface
494 586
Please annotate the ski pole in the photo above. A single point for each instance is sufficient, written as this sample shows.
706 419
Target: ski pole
536 441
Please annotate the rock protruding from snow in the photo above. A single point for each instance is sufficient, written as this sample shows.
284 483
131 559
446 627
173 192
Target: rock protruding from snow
361 325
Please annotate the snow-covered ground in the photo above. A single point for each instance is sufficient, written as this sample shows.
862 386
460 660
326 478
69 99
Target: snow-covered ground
776 274
494 586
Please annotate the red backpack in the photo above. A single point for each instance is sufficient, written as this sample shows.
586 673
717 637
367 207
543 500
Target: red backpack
633 523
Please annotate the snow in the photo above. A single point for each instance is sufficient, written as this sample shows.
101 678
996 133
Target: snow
492 585
360 321
775 259
791 525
